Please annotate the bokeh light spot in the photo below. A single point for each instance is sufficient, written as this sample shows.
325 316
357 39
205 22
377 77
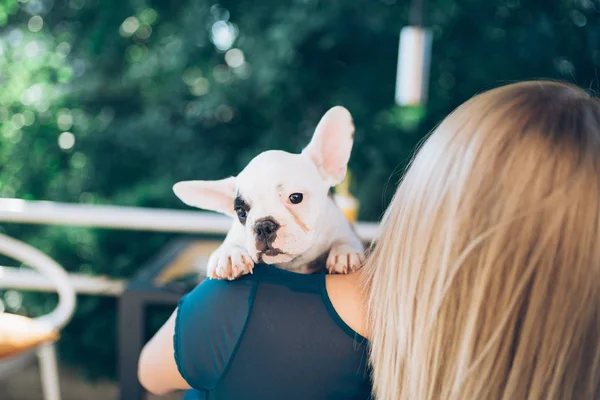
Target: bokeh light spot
192 75
148 16
144 32
65 74
35 7
135 53
64 119
78 160
244 71
234 58
77 4
223 35
129 26
15 37
29 117
224 113
578 18
18 121
201 87
63 49
35 23
219 13
33 49
222 73
564 66
66 140
16 136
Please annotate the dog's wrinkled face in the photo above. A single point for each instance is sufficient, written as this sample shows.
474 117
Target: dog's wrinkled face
279 200
279 197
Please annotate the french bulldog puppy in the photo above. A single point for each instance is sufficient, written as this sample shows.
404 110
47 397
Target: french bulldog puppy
282 209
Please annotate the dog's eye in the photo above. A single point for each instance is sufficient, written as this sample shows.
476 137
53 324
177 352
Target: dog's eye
241 213
296 198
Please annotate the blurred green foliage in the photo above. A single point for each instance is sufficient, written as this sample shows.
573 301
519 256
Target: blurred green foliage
112 101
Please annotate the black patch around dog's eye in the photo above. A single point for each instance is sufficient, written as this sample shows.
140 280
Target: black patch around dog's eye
242 214
241 208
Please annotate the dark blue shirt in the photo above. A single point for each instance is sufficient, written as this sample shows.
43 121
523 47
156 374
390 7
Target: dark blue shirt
270 335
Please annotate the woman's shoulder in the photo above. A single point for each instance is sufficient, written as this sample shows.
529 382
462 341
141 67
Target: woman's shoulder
211 290
217 312
233 300
224 327
346 298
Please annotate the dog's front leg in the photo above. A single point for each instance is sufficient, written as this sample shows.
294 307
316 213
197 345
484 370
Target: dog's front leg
230 260
347 253
345 258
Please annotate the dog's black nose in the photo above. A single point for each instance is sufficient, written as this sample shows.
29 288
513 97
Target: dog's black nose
265 229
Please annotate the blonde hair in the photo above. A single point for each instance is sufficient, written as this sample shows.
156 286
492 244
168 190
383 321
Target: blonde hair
485 283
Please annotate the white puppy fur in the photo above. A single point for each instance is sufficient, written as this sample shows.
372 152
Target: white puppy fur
283 214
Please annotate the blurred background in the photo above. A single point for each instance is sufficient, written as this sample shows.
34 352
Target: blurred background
113 101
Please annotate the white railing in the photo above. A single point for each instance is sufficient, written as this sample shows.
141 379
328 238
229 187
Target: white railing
134 218
112 217
25 279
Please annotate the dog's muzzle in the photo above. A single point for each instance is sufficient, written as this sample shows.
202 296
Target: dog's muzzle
265 230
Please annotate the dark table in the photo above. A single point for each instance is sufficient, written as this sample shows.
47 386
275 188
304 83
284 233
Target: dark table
153 286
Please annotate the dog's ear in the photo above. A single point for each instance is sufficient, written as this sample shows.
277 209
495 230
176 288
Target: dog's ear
331 144
209 195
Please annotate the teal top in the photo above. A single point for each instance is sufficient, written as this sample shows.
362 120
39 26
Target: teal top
274 335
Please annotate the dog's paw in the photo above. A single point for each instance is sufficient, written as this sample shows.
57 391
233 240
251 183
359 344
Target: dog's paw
229 263
344 259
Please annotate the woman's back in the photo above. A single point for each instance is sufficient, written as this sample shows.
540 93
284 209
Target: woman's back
270 335
485 283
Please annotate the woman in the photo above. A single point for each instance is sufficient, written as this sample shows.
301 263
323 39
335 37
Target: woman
485 282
